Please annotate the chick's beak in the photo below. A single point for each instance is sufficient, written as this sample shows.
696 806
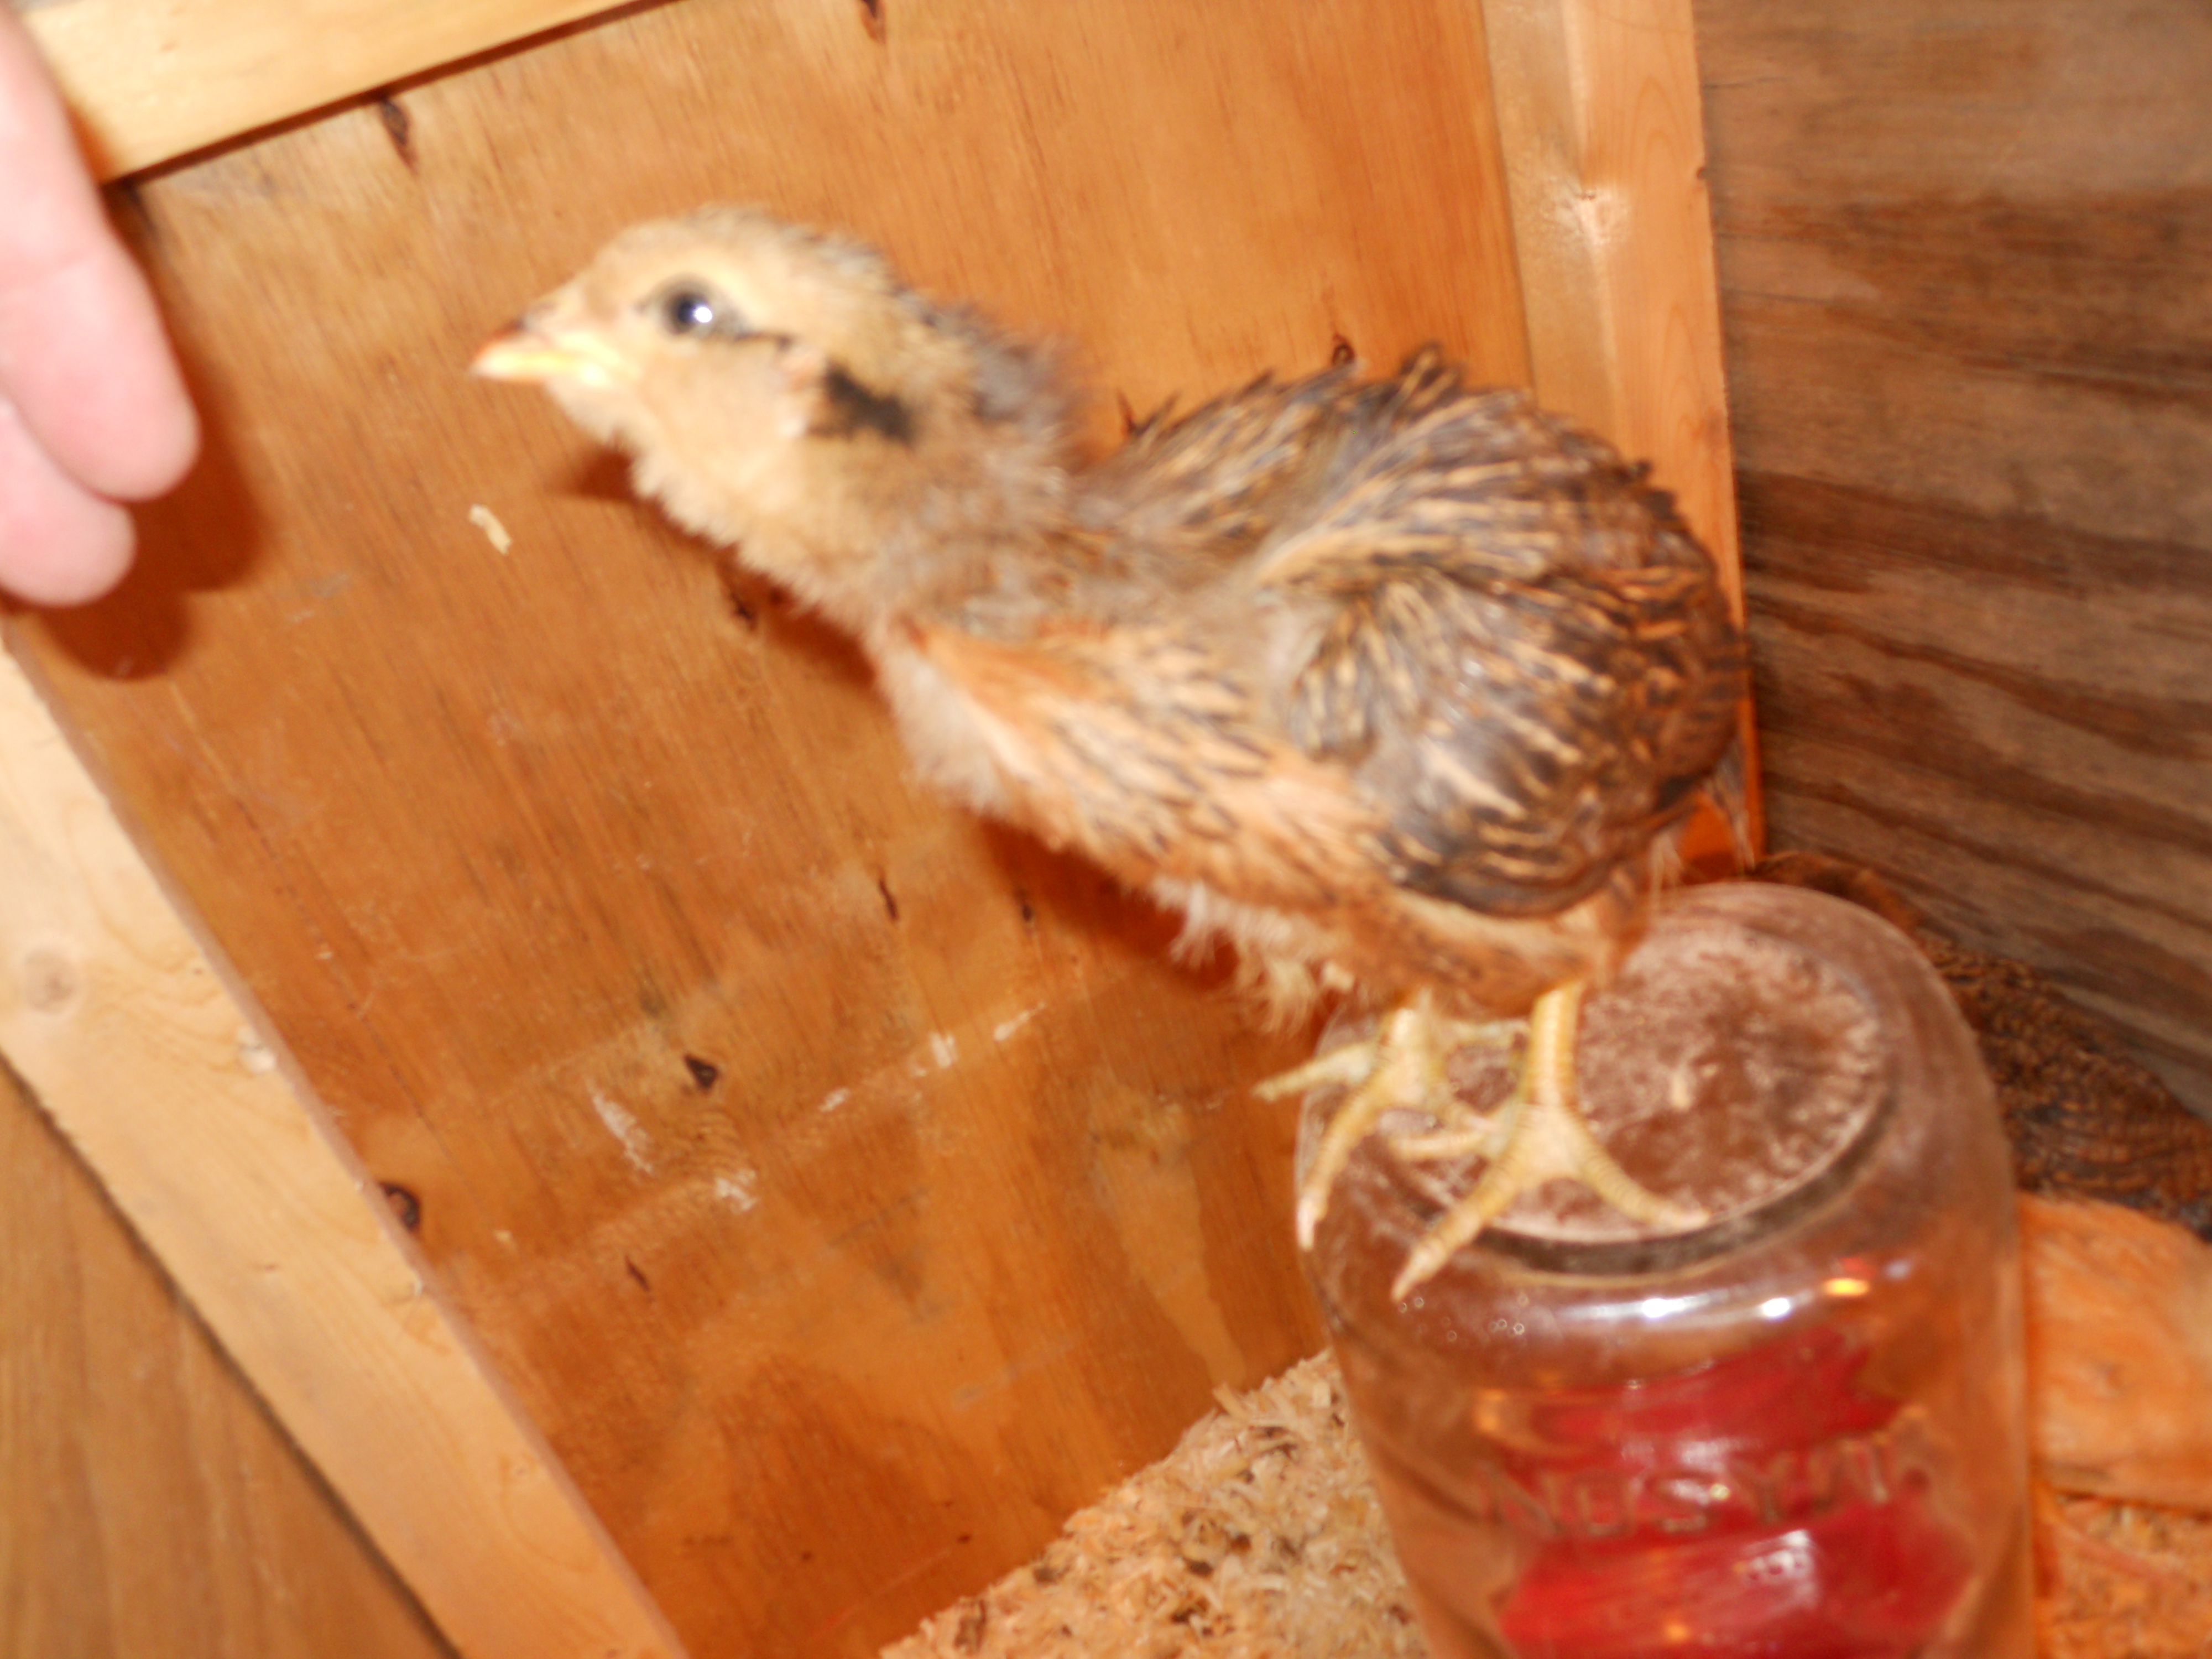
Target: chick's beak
537 349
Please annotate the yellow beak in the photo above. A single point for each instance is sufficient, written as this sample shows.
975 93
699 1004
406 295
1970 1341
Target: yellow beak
533 354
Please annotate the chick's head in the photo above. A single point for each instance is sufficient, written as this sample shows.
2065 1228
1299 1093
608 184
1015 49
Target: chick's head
780 391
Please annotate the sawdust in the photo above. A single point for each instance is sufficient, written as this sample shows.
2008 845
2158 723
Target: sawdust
2121 1581
1259 1537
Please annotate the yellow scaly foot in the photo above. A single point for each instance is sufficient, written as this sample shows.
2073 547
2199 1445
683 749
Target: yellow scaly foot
1537 1136
1402 1064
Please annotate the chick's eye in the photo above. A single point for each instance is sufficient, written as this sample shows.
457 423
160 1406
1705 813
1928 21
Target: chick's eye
687 308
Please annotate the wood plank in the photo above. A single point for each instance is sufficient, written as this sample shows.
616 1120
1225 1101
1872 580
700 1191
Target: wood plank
1962 249
851 1192
1599 117
171 1090
151 80
149 1503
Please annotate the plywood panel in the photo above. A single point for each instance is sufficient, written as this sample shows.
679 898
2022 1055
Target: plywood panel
148 1505
1963 250
851 1191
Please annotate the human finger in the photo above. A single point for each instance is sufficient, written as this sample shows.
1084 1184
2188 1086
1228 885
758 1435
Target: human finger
82 353
59 544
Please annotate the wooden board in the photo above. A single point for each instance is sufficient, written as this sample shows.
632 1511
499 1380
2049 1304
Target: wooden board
150 80
123 1027
149 1505
851 1192
1963 249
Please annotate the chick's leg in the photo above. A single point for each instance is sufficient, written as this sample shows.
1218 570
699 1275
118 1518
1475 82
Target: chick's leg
1402 1064
1538 1136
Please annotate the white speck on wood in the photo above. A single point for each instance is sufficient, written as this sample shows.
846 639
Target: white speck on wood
738 1189
1596 215
943 1048
495 532
255 1055
625 1130
834 1099
1006 1028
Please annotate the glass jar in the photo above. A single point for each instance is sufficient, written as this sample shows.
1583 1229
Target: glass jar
1797 1429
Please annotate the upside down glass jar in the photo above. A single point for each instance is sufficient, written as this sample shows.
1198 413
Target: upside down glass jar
1794 1430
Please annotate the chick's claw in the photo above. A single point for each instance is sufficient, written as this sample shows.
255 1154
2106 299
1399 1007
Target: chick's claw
1406 1064
1539 1136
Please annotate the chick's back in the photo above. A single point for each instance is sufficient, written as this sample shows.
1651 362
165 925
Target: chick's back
1500 642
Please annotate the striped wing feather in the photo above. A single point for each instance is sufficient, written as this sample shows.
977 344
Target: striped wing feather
1526 658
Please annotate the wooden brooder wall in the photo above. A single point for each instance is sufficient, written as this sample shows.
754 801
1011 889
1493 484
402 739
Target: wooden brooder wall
845 1190
1965 258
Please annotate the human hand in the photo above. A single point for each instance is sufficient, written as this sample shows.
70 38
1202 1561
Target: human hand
92 411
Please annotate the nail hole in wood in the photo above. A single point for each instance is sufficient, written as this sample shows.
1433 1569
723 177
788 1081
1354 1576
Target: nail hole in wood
404 1205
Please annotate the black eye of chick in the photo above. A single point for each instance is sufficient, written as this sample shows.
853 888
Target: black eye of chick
687 308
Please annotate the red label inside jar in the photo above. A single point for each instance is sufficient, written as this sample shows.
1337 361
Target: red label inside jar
1756 1505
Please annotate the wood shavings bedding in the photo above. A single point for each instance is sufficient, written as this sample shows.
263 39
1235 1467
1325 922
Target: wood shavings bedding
1259 1537
2121 1581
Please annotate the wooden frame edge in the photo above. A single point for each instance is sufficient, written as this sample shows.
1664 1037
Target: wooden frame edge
174 1089
213 72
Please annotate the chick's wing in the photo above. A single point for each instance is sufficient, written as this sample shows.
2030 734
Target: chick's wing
1522 653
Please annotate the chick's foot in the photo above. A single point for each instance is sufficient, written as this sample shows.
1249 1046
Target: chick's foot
1405 1064
1537 1136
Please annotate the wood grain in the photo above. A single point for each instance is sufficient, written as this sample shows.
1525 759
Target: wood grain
149 79
148 1504
164 1082
851 1192
1962 253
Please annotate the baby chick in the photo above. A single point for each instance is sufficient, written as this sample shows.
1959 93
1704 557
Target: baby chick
1396 685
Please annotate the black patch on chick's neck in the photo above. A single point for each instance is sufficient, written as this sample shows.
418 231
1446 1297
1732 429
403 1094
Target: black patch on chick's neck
847 408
